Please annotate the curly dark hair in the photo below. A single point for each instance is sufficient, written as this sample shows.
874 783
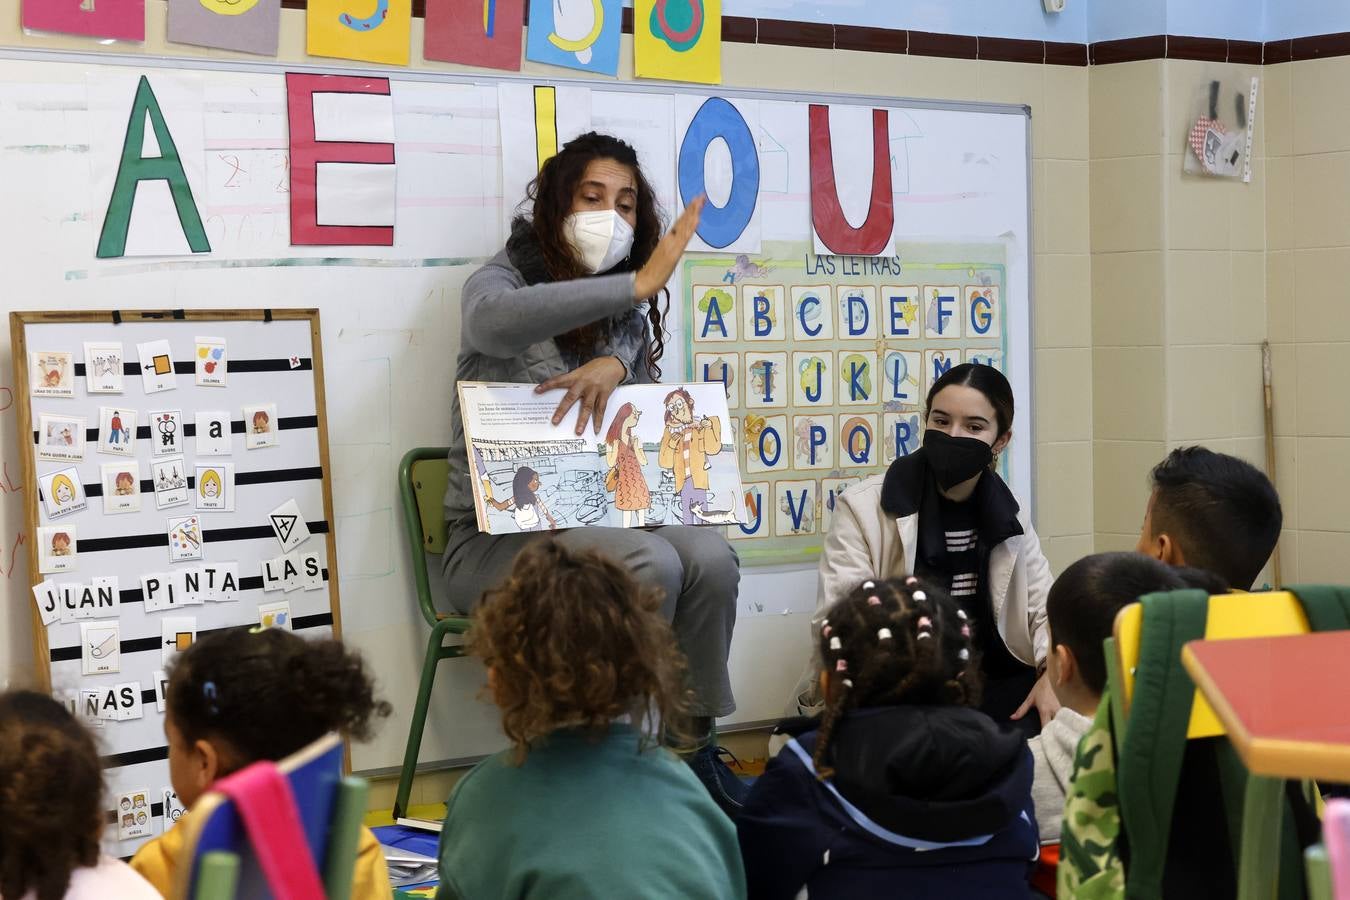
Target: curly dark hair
893 642
573 640
552 192
51 792
268 693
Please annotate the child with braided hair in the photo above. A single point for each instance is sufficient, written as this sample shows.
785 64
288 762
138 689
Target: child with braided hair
904 788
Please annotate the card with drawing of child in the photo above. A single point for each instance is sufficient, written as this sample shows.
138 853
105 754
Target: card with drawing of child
121 487
60 437
57 549
51 373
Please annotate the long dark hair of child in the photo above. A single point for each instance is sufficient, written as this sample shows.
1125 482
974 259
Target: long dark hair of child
267 693
51 795
520 487
552 193
895 642
572 640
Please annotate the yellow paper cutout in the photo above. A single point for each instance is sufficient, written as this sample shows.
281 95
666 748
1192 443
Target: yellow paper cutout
678 40
378 31
545 123
229 7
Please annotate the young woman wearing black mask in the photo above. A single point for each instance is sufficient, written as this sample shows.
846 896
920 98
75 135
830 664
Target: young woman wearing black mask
944 514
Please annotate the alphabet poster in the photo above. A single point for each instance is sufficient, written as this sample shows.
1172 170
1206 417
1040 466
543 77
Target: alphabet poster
825 362
678 40
139 552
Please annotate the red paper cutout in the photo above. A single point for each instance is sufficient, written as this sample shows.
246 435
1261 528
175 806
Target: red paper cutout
307 153
475 32
826 214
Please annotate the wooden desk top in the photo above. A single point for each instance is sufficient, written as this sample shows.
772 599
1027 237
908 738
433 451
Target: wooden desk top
1285 701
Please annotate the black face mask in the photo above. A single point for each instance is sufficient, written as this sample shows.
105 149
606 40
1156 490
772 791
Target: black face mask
955 459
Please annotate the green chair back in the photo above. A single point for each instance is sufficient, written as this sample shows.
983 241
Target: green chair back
422 478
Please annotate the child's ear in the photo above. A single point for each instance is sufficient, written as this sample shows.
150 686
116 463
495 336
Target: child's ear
1169 551
207 765
1066 666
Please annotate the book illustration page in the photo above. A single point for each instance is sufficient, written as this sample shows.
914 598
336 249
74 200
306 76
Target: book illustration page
664 456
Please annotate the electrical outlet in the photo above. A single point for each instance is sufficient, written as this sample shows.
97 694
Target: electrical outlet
1054 6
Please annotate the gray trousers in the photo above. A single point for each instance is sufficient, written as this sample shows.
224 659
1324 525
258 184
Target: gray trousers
695 568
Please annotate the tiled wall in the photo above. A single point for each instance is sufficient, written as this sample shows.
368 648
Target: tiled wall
1308 318
1178 276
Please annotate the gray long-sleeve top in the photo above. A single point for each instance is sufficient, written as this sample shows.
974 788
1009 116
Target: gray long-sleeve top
507 333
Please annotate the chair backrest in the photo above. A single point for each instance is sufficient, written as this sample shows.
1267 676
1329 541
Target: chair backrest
422 478
329 808
1274 614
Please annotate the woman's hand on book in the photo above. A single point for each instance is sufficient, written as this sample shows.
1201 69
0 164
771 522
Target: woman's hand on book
588 388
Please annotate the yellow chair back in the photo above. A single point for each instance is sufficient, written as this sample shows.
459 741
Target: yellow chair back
1274 614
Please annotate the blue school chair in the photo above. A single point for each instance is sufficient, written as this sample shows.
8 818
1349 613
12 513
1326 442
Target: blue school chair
422 478
221 861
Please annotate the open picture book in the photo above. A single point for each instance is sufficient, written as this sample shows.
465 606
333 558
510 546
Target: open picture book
666 455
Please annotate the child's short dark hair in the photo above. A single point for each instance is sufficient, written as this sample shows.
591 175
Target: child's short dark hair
1223 511
1086 597
572 639
267 693
892 642
51 792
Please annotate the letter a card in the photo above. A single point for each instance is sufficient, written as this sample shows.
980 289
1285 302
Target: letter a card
213 433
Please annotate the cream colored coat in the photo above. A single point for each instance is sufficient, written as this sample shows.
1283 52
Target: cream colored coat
864 541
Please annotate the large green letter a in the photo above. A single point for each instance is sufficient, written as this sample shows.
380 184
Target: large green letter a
135 168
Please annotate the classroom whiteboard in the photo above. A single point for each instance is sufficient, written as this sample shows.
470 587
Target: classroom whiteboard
391 314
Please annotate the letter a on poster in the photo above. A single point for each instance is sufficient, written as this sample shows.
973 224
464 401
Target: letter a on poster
678 40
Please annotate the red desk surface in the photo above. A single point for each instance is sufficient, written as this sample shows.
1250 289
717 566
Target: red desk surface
1285 701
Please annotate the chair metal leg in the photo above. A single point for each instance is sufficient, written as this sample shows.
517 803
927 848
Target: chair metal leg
419 719
1262 820
344 837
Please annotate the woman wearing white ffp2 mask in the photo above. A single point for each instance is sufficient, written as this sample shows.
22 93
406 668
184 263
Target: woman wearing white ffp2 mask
574 302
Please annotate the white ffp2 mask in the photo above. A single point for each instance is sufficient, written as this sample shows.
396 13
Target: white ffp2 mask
602 238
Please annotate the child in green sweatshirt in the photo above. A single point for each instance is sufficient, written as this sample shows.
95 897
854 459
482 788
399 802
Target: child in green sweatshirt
588 802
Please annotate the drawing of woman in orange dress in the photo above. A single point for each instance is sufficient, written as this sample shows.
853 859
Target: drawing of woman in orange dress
625 457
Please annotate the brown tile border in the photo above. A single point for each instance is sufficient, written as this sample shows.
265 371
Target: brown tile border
817 35
949 46
1248 53
1197 48
1277 52
870 40
740 29
1011 50
1319 46
1136 49
1058 53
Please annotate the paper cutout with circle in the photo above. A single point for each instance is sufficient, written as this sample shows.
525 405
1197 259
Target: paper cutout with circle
247 26
577 34
718 158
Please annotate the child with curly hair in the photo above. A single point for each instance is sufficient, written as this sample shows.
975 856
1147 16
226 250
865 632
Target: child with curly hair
243 695
51 808
905 788
587 802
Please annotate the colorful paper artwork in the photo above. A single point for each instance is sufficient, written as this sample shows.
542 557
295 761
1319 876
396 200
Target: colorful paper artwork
475 32
575 34
678 40
123 20
719 158
248 26
378 31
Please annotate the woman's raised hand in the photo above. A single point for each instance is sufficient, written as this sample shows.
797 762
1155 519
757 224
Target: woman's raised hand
658 269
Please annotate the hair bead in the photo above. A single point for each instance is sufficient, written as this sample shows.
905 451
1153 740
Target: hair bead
835 644
911 581
919 596
924 622
826 631
961 614
924 634
874 600
868 585
883 634
965 631
848 682
841 666
964 655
